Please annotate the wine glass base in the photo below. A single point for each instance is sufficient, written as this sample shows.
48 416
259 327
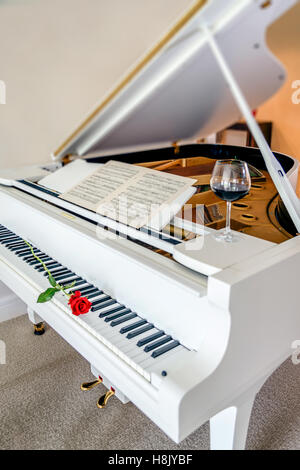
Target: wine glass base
226 237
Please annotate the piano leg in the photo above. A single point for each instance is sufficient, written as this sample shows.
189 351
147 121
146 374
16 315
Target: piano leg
229 428
39 327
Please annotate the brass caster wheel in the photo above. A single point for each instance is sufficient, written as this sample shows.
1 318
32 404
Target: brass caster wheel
89 385
39 329
102 402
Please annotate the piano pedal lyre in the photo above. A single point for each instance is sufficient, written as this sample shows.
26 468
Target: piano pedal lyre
102 402
39 329
86 386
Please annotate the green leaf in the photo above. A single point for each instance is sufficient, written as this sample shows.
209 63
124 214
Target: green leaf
52 280
47 295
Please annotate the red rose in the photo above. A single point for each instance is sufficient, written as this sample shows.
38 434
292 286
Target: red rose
79 305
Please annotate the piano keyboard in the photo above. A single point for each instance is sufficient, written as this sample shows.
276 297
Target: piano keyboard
135 340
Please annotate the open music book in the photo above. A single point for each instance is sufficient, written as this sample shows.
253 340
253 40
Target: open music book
133 195
66 177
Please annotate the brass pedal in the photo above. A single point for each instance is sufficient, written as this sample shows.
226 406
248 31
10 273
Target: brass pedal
89 385
39 329
102 402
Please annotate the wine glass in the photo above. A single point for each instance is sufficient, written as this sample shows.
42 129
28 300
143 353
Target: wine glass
230 181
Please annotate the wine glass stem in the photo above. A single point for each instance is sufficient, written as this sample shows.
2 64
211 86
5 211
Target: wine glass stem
228 216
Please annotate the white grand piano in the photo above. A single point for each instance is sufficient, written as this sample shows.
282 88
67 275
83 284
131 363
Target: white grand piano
186 328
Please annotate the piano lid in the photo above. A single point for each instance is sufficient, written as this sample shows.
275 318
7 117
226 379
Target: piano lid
177 91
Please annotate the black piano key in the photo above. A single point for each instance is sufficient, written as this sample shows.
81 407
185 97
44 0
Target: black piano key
49 266
74 288
14 248
65 276
158 343
28 258
7 233
96 294
140 331
12 239
41 269
133 326
34 261
57 272
86 293
117 315
111 311
8 240
105 304
164 349
30 255
97 302
25 251
78 282
42 258
87 289
150 338
123 319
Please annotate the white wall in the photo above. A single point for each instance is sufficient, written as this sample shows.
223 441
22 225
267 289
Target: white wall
59 57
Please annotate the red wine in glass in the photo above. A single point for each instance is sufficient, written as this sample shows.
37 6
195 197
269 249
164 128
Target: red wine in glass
230 181
238 192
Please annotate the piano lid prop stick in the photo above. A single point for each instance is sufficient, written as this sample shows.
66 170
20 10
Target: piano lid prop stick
276 171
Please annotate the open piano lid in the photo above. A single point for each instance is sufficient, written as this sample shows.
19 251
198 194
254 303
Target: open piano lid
208 71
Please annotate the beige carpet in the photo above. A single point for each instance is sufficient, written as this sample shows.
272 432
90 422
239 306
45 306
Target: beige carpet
42 407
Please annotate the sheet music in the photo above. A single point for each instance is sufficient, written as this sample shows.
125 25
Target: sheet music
66 177
127 193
